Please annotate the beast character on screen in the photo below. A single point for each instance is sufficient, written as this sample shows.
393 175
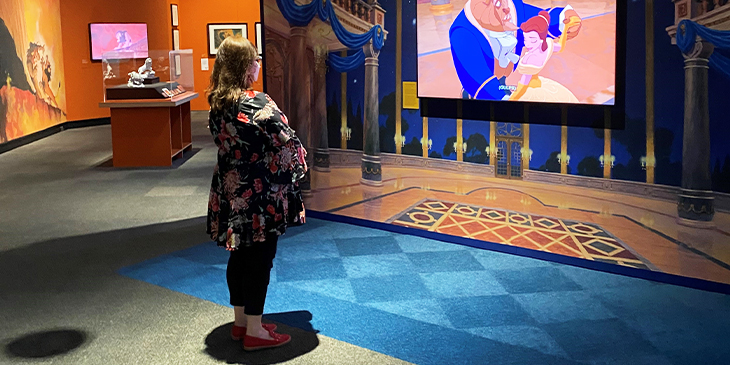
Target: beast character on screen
486 41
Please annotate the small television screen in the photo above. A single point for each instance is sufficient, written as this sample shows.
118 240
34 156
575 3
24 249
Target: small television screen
125 38
518 50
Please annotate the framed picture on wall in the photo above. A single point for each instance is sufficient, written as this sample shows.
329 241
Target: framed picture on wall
175 40
218 32
173 12
259 42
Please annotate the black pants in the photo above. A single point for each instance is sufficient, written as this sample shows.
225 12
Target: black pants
248 273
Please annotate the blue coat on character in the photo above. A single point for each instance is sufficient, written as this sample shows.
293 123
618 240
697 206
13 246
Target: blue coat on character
472 54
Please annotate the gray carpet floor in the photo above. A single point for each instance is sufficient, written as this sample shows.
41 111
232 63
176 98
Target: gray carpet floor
68 222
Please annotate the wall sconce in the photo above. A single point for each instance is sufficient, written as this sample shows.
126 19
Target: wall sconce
426 142
611 159
400 140
526 152
647 161
490 152
346 133
564 157
463 147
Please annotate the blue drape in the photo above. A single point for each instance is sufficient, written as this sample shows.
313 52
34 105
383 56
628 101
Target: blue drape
346 64
352 40
301 15
687 33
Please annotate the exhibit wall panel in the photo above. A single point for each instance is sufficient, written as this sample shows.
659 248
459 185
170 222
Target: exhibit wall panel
195 15
32 84
84 85
592 196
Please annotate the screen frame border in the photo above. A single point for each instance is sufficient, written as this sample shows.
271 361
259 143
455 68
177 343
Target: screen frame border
557 113
91 48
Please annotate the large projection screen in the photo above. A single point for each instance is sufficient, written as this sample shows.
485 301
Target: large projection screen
517 50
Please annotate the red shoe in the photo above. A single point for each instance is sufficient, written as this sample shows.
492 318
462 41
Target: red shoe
237 333
251 343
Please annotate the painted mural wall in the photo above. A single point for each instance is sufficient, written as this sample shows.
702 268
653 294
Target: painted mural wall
32 85
506 183
585 146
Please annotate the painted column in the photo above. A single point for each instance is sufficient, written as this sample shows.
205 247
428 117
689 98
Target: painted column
564 149
424 140
493 143
525 153
492 138
319 130
649 31
442 11
526 157
301 98
607 162
371 170
300 93
459 140
398 75
696 199
564 141
343 107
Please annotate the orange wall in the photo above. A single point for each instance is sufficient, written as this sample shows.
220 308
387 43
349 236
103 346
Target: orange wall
83 77
195 15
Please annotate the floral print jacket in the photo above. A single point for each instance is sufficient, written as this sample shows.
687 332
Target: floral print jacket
255 189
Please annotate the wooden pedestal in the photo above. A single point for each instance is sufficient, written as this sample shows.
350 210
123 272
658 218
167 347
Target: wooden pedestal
150 132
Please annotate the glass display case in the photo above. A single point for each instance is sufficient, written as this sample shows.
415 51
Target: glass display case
163 75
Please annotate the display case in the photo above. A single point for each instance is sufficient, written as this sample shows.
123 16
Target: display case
163 75
149 102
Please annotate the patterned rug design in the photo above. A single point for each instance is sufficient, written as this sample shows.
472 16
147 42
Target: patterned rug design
555 235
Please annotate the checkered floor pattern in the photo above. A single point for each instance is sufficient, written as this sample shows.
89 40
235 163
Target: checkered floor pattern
555 235
430 302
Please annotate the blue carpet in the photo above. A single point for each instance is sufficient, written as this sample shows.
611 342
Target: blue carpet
430 302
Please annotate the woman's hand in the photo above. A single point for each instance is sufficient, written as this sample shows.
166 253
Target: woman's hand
303 215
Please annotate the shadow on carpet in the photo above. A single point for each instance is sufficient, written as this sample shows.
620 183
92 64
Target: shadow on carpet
297 324
47 344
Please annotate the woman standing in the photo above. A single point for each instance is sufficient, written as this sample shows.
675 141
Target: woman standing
254 194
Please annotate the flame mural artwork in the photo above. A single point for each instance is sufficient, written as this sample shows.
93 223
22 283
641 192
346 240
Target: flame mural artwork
32 85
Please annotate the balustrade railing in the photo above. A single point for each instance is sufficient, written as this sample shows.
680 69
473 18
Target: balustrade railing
358 8
706 6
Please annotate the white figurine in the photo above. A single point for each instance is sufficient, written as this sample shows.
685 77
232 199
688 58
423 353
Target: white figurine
135 80
109 73
146 70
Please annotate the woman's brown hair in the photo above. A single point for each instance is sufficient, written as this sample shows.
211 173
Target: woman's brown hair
230 74
539 24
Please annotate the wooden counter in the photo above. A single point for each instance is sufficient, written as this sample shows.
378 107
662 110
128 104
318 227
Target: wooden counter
150 132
